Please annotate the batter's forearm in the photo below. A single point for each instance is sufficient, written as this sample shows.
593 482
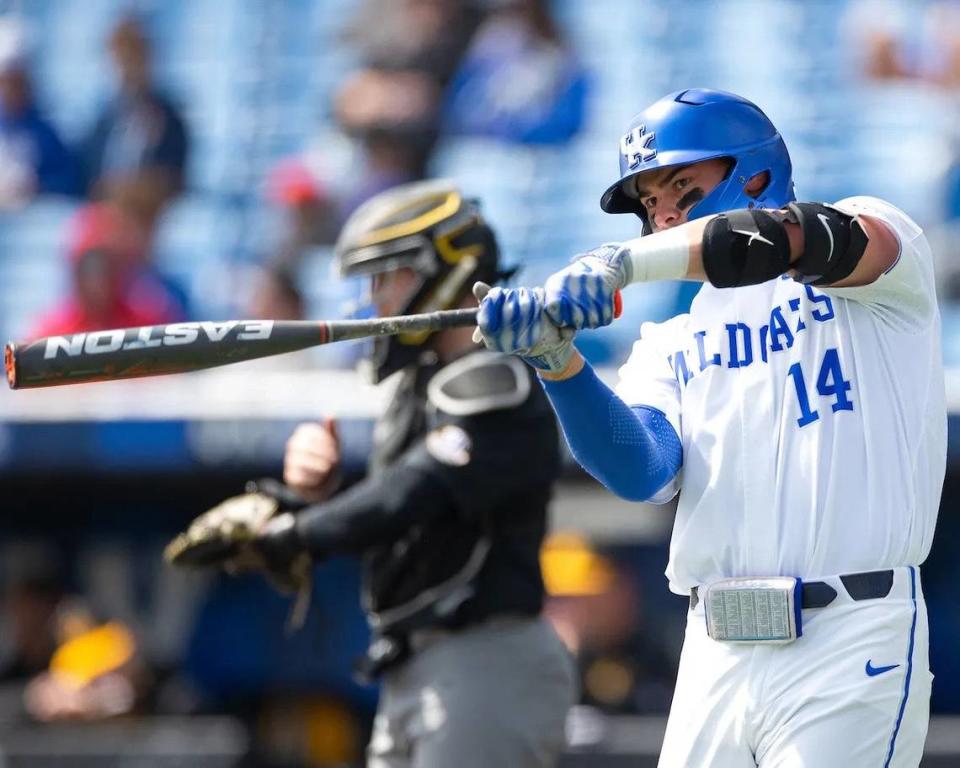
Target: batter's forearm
677 253
634 452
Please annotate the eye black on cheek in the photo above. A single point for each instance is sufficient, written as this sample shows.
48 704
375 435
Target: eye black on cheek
690 199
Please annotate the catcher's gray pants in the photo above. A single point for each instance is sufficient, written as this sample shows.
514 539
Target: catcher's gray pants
494 694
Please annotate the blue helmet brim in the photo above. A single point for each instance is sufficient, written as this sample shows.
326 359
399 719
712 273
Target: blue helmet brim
616 200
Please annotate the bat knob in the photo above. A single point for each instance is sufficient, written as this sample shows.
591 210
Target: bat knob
10 364
617 304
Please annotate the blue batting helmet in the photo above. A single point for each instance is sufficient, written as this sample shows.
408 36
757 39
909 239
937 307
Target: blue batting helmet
701 124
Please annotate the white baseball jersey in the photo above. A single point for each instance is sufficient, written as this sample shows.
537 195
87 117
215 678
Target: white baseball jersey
813 420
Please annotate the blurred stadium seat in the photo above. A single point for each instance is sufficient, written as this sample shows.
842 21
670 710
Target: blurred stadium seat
31 263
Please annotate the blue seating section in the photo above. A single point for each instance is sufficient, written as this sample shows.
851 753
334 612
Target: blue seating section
255 82
32 265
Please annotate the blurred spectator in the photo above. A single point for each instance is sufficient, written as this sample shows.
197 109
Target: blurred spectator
518 81
111 286
896 40
33 160
943 25
136 153
392 118
309 207
276 296
94 673
393 114
390 107
426 36
67 664
596 607
897 43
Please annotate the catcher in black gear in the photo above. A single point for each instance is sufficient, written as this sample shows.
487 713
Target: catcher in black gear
449 519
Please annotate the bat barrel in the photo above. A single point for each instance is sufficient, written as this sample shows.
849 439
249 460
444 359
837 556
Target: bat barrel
127 353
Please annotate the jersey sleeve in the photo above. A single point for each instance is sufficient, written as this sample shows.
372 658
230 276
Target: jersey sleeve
377 509
904 296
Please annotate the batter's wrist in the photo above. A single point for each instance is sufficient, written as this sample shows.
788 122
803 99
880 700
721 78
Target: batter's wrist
572 369
661 256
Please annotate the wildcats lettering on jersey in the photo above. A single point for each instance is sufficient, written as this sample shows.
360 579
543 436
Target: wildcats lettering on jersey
741 345
100 342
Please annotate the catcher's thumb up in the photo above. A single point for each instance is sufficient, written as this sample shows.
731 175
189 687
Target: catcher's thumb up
330 424
311 460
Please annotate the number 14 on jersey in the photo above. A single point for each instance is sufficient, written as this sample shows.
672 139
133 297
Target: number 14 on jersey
830 384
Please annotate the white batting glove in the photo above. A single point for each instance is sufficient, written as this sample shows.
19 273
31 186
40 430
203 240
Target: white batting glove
585 294
513 320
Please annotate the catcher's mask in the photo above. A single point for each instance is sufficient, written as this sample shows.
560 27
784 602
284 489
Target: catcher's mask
699 124
429 227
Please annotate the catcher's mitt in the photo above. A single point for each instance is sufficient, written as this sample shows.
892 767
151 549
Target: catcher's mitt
247 533
221 534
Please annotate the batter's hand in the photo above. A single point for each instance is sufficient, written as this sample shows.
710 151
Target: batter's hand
311 463
587 293
513 320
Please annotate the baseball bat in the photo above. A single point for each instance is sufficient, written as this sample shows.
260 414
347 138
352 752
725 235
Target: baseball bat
154 350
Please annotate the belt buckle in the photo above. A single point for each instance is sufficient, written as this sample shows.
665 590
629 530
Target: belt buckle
754 610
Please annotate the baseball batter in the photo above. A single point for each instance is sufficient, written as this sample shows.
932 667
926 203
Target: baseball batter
799 411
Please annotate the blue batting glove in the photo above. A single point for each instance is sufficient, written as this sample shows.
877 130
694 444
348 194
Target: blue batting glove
584 295
513 320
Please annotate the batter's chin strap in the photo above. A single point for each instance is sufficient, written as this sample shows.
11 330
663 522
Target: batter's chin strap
749 247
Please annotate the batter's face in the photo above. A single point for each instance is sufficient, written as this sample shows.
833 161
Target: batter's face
668 194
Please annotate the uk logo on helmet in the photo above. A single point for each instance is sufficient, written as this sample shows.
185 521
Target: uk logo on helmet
637 146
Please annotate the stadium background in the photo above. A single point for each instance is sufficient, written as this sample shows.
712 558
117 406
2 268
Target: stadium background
287 105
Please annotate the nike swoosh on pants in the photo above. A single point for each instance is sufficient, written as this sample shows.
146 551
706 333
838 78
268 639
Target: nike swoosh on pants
873 671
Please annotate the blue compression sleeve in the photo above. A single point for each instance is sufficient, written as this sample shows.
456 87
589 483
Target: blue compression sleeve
633 451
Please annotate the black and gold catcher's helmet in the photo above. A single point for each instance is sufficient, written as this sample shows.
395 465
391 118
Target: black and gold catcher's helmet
429 227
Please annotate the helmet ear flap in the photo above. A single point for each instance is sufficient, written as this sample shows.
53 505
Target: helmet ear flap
763 178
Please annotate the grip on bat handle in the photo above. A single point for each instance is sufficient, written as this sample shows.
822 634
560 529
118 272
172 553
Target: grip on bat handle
10 364
617 304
